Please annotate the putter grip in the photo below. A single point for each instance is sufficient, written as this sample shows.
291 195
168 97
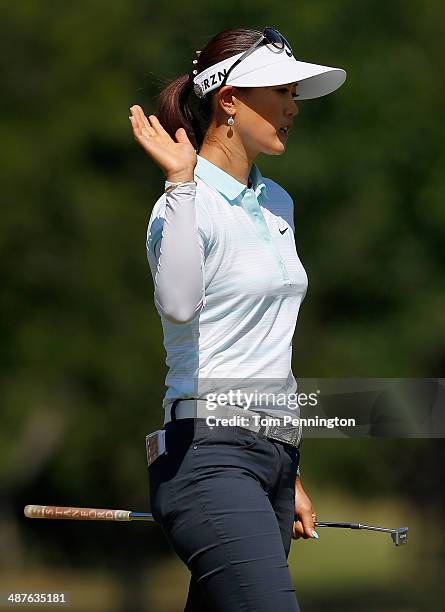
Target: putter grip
76 514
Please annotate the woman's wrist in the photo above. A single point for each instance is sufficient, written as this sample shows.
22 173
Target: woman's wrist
181 177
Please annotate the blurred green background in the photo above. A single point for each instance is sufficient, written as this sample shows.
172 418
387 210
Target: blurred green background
82 361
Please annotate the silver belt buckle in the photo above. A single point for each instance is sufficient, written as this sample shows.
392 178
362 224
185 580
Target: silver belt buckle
288 434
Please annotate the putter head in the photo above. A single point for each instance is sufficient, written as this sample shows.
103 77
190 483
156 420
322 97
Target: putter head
399 536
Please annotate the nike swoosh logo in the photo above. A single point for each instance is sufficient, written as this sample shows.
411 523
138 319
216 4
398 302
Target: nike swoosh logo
282 231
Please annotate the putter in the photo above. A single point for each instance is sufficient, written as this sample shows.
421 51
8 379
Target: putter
399 535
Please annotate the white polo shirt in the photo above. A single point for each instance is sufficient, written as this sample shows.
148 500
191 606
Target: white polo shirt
248 278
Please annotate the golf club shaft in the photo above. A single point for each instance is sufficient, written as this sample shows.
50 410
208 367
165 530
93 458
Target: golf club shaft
106 514
352 526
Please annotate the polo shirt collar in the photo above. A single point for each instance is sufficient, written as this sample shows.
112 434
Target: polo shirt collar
226 184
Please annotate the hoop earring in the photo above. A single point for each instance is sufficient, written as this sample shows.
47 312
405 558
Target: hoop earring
230 120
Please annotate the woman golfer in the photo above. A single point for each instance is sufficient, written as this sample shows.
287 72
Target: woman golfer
228 287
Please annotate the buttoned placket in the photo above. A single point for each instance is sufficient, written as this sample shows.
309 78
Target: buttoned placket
249 203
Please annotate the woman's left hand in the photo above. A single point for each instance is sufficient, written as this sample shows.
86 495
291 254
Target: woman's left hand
305 515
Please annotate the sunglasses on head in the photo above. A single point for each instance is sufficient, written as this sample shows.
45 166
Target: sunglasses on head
269 36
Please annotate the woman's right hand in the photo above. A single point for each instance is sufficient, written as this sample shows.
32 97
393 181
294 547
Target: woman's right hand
178 159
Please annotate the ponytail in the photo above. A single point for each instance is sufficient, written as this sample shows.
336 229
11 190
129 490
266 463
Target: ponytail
174 104
174 110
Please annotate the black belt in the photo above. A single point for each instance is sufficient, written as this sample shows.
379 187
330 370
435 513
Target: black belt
273 428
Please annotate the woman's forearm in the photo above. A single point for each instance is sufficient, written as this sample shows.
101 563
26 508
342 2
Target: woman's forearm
179 278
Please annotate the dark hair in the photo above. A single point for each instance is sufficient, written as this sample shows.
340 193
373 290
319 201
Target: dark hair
176 101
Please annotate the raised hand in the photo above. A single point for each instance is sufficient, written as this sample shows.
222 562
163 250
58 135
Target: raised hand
178 159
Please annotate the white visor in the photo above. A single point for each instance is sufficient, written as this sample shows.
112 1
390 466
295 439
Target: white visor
268 66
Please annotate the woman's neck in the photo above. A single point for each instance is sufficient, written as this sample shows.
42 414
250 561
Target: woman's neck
237 166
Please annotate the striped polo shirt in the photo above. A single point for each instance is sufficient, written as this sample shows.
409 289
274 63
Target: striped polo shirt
254 284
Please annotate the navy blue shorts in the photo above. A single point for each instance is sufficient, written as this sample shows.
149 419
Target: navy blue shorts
224 497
